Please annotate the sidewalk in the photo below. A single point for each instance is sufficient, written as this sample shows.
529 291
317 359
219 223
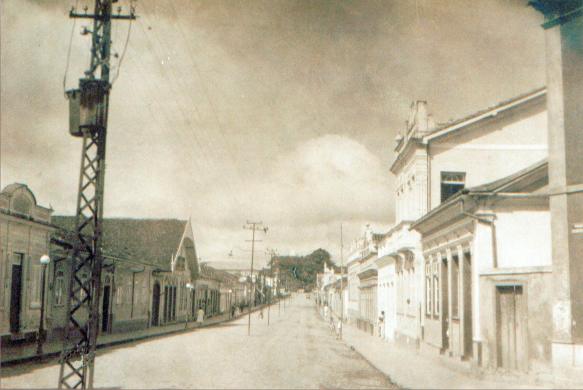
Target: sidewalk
408 368
14 354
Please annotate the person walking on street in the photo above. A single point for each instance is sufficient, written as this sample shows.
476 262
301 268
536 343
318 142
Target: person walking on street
338 329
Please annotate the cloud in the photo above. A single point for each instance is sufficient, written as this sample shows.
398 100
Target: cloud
324 180
283 111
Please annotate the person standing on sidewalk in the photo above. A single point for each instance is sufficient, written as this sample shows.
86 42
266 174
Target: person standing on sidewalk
200 315
381 324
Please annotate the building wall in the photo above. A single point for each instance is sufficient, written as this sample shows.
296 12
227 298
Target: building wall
29 240
386 300
536 315
491 150
516 231
411 188
353 291
24 238
131 298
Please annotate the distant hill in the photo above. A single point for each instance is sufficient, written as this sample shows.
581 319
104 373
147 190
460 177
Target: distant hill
300 271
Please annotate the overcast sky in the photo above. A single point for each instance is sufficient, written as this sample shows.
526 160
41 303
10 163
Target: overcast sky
279 111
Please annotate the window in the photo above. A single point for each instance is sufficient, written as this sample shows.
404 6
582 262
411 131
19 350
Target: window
119 295
59 289
428 289
435 267
451 183
36 285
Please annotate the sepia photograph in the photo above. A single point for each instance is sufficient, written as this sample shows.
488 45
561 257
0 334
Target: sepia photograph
291 194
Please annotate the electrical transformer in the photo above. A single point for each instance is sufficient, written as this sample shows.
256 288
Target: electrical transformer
86 106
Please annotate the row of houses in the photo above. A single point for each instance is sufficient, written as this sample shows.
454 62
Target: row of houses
466 270
151 275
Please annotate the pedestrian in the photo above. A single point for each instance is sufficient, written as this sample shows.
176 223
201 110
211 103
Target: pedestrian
381 324
200 315
338 329
261 313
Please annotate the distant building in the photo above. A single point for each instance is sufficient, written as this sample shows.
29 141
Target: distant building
147 265
363 279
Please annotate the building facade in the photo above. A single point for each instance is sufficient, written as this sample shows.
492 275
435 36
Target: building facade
363 280
25 231
457 273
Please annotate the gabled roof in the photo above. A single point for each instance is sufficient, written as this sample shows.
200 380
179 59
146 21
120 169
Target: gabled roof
152 241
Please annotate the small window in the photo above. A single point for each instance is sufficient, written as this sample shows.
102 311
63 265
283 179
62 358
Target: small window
428 289
59 289
119 295
451 183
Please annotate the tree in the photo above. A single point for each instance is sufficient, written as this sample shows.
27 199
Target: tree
301 271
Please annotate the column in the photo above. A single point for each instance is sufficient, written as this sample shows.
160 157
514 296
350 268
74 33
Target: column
462 298
449 299
564 53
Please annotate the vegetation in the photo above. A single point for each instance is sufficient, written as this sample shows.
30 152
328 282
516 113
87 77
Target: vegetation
300 271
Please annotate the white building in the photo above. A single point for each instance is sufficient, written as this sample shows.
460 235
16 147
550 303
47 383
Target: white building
429 281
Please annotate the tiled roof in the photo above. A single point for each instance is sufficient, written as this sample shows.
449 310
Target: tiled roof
152 241
499 185
508 180
208 272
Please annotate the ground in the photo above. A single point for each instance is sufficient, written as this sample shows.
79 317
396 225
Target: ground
296 350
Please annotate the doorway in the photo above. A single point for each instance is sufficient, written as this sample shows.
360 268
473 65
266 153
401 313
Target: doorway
105 309
155 304
16 293
511 328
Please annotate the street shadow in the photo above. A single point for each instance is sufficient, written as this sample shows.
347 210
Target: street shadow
225 325
29 366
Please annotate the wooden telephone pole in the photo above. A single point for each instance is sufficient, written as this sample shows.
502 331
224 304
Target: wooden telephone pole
88 119
253 226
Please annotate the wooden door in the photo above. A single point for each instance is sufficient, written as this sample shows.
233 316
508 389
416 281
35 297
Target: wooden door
155 304
16 297
105 309
511 328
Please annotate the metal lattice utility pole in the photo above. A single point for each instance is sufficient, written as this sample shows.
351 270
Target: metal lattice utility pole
253 226
88 119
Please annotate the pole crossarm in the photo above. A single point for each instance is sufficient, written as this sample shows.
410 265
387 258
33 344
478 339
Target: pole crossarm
73 14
